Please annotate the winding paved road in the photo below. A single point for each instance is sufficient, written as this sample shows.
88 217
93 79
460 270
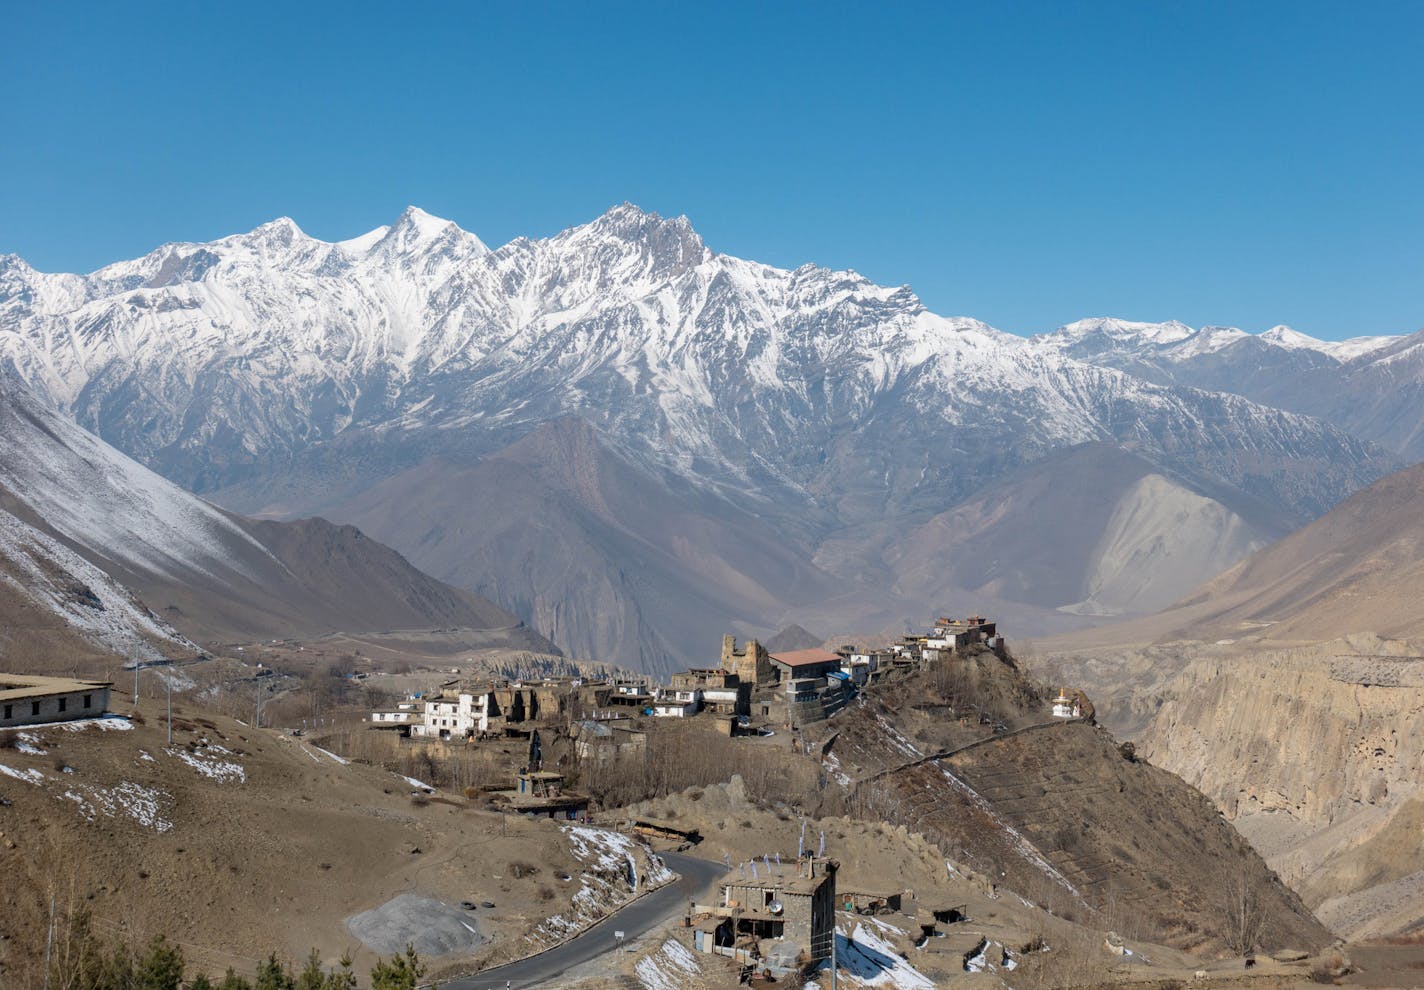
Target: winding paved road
694 876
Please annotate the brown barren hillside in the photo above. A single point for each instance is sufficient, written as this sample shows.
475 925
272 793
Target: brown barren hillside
1290 690
1055 809
237 843
1357 569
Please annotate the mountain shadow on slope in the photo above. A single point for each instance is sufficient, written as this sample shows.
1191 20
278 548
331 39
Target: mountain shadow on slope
609 560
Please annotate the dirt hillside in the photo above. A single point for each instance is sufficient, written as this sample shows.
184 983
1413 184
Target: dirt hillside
1056 809
238 842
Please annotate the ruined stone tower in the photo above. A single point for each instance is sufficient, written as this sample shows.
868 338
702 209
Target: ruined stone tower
750 664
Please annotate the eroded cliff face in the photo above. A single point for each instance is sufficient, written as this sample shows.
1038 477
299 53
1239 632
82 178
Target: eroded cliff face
1316 755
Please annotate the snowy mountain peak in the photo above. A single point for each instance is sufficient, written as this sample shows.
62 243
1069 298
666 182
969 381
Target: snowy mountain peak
418 231
1116 329
283 231
1283 336
670 243
416 219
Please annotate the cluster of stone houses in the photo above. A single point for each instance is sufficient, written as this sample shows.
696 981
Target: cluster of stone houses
748 685
947 636
463 710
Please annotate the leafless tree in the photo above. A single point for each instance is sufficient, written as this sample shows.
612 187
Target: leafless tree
1243 916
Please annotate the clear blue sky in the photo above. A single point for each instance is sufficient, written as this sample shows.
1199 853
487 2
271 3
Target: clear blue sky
1025 163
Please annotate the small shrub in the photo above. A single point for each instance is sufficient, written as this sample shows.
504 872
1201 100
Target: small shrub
521 870
546 893
8 741
420 799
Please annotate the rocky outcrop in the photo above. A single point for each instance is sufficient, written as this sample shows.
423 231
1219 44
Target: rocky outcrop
1314 753
1058 812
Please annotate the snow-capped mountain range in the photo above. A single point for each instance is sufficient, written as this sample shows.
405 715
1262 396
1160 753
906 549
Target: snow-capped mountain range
1372 387
286 374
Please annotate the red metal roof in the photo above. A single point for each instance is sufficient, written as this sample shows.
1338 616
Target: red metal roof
804 658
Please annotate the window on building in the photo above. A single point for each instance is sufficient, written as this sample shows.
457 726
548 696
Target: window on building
34 708
9 711
88 701
63 704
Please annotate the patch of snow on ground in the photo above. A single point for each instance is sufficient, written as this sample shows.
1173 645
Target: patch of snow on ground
867 959
421 785
896 738
669 968
609 879
612 850
103 723
1022 846
176 678
210 766
29 743
327 752
107 616
28 776
134 800
833 767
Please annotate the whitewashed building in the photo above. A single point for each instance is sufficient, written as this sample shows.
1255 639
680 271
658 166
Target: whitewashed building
677 703
454 716
1067 707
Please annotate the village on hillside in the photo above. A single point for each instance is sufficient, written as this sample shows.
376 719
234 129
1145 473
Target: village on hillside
768 915
750 694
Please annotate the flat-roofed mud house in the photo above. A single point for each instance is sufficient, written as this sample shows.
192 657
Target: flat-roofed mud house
723 692
608 740
541 794
28 700
796 904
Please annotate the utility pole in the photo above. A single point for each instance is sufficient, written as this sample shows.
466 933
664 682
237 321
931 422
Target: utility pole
135 681
170 709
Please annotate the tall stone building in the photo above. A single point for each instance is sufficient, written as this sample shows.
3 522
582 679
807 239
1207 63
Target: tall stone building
751 664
